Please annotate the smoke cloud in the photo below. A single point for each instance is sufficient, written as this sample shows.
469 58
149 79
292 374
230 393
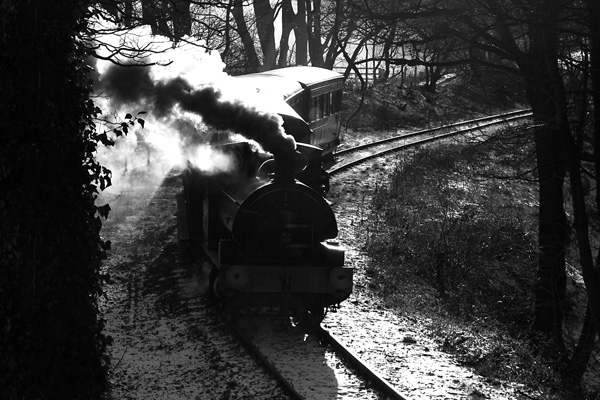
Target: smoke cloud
188 101
164 98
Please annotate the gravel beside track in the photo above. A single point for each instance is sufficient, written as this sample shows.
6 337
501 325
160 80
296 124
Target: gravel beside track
169 341
397 345
309 364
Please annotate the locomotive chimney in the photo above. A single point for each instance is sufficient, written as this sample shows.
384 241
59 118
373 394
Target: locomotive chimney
284 167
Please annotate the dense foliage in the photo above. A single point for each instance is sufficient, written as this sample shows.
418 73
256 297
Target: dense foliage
51 341
445 220
454 236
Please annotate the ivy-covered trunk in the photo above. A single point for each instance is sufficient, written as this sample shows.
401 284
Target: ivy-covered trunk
51 341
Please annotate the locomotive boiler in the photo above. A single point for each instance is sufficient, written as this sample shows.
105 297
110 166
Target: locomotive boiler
266 230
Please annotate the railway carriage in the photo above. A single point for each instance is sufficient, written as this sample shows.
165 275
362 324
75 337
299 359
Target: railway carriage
264 226
313 101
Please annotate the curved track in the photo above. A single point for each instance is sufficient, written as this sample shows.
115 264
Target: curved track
313 363
350 157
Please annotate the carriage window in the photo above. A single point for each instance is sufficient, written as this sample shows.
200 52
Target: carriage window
320 108
314 106
337 100
332 109
325 104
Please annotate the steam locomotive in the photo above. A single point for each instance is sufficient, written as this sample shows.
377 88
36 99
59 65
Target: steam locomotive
264 226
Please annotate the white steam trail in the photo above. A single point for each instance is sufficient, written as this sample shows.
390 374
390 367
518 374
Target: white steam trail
182 101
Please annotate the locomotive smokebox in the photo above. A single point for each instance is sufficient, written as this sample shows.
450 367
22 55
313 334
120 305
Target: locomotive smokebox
285 165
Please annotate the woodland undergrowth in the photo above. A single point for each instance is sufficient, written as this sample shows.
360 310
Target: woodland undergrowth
454 235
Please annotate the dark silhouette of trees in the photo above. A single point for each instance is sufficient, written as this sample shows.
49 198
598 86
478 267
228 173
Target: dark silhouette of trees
312 26
577 153
172 18
551 47
251 35
540 39
51 340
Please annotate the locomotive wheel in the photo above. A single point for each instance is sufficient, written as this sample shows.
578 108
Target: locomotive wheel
213 284
312 317
316 315
215 289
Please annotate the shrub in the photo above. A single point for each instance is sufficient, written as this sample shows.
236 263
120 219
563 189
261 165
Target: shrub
467 235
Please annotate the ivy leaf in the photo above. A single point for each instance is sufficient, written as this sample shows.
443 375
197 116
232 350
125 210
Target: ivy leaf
105 140
128 116
104 210
125 127
141 112
141 121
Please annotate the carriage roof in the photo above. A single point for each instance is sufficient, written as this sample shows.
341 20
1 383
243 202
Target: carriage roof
305 75
289 81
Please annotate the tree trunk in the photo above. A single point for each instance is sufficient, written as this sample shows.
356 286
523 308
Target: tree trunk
580 359
551 276
287 25
583 351
265 17
182 19
315 45
538 69
155 15
301 28
591 274
332 51
578 363
238 14
386 52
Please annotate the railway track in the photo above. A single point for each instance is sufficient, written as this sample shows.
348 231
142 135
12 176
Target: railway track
311 364
350 157
314 364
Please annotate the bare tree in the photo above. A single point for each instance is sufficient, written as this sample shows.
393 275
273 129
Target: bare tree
315 25
535 41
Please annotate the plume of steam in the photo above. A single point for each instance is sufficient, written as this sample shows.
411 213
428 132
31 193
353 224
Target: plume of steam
134 85
180 96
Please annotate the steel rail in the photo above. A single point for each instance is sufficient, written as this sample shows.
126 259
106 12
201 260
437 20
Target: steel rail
265 362
504 117
348 355
501 119
351 360
354 361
